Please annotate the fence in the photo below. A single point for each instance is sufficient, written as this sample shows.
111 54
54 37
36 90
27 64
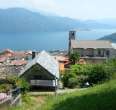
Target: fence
12 98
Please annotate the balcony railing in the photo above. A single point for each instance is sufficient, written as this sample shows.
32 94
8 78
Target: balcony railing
50 83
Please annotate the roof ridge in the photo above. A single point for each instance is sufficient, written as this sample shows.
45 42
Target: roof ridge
96 40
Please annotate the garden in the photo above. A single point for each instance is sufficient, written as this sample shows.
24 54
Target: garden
85 75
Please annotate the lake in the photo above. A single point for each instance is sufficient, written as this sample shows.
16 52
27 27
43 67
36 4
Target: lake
47 40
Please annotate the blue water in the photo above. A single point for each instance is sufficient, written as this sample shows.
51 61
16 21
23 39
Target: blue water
46 40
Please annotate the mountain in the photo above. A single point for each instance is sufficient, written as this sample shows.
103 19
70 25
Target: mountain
23 20
111 22
111 37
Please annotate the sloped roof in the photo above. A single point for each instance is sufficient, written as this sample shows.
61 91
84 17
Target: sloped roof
62 58
18 62
2 59
91 44
46 61
8 51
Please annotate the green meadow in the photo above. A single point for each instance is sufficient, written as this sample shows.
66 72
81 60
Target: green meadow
99 97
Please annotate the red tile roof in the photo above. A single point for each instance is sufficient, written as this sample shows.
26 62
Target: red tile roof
19 62
9 53
62 58
2 59
21 54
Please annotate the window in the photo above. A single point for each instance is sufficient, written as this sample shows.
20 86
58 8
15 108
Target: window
107 52
99 52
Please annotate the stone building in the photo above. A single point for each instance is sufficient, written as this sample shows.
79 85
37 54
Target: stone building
92 51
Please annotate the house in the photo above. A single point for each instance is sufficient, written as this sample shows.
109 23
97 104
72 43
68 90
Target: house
7 53
2 59
15 55
21 55
12 62
63 60
42 71
92 51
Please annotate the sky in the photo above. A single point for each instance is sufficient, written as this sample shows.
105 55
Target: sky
77 9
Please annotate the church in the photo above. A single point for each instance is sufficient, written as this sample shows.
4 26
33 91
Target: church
92 51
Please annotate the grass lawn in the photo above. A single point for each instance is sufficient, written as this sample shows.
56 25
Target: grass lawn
100 97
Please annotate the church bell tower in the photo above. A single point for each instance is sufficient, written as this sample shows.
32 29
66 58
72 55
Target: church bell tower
72 36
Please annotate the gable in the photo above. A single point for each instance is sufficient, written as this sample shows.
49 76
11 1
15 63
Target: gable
45 61
38 72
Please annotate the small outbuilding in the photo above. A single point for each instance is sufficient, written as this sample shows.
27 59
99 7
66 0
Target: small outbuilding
42 71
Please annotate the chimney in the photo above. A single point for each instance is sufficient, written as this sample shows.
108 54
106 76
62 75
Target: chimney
33 54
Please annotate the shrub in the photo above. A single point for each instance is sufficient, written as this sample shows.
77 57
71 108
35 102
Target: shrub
13 81
24 85
111 66
81 69
66 77
5 87
98 74
80 74
74 57
72 82
82 79
18 82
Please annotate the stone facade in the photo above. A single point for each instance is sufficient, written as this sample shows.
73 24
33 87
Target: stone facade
9 70
96 50
90 52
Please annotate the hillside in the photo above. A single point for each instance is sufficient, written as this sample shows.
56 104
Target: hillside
23 20
111 37
100 97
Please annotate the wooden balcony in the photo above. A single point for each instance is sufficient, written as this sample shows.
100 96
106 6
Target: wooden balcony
44 83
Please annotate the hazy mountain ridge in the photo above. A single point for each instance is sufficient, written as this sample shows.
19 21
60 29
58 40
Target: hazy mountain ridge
111 37
22 20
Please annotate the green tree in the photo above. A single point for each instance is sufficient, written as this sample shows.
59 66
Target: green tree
66 78
74 57
98 74
19 82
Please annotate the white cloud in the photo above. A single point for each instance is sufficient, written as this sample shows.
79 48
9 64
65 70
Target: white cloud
89 9
31 3
40 4
10 3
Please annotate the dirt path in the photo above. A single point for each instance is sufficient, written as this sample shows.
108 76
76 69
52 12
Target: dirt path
53 93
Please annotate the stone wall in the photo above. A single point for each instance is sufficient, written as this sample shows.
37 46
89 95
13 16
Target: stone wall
7 70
